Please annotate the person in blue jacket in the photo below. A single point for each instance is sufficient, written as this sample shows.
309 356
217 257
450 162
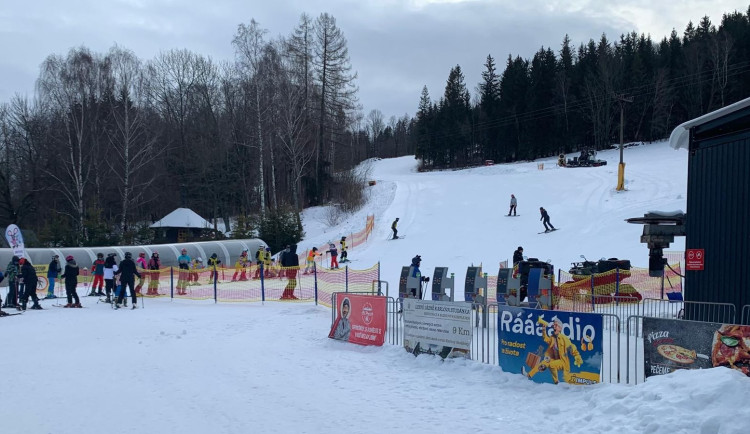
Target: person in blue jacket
52 272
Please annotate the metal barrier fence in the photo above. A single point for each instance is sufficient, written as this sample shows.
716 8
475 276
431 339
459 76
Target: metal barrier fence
745 315
724 313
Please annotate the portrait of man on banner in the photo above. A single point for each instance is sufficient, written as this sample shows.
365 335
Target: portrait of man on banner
342 327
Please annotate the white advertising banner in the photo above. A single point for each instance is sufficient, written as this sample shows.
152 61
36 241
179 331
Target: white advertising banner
437 327
15 240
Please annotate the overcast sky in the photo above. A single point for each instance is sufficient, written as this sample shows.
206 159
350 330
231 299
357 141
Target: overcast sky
396 46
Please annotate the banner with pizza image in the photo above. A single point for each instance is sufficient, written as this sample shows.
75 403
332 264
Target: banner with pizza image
360 319
678 344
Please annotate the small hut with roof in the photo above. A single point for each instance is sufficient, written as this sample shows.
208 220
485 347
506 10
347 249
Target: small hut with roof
181 225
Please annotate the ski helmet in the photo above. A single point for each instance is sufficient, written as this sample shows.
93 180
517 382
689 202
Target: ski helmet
142 254
128 255
520 248
100 255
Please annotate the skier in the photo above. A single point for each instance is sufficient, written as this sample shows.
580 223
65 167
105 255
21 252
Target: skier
259 257
183 262
141 264
97 269
52 272
12 274
518 255
393 228
239 267
154 264
310 264
545 220
513 204
71 281
127 272
343 249
28 274
110 267
213 263
197 265
415 263
334 255
290 261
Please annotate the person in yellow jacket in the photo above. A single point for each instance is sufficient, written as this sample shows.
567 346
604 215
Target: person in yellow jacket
260 256
310 262
239 267
556 356
343 250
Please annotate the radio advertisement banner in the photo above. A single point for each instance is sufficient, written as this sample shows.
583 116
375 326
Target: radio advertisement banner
550 347
15 240
360 319
677 344
437 327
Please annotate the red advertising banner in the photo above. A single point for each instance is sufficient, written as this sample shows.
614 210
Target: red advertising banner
360 319
694 259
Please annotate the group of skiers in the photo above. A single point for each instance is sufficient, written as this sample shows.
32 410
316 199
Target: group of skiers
108 273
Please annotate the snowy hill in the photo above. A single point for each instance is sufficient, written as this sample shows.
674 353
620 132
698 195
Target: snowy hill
458 218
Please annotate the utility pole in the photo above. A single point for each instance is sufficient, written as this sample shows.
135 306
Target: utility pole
621 99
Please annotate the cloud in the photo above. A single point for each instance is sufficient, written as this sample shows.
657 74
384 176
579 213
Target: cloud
396 46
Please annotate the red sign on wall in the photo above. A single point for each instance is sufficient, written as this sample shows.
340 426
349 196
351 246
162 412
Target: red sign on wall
694 259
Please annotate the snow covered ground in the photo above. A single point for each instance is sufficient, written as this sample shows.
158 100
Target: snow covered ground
197 367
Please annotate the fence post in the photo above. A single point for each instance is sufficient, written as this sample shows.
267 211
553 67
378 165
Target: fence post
617 285
315 279
262 283
171 282
216 287
379 291
662 282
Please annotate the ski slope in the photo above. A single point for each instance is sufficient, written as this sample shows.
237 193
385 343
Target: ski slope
458 218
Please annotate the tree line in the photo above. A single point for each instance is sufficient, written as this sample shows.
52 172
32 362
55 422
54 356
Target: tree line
109 142
559 102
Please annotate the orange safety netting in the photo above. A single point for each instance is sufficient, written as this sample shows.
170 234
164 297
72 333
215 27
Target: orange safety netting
345 279
352 240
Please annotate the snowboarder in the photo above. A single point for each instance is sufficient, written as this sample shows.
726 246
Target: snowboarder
343 249
518 255
513 204
71 281
393 228
52 272
97 269
28 274
127 272
334 255
545 220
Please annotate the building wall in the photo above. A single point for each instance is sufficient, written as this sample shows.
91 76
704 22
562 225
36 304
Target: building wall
718 210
